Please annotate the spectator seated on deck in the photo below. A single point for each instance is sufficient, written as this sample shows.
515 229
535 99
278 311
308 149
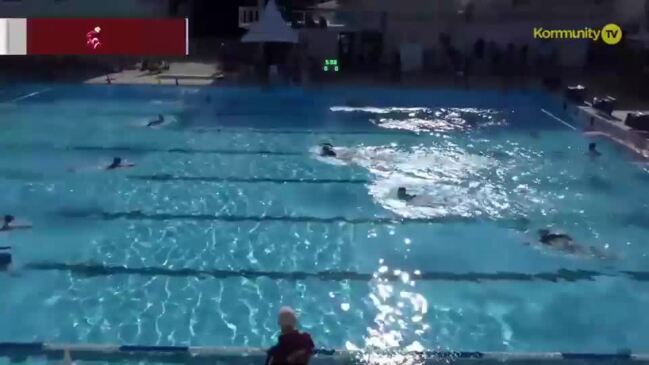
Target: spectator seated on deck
154 67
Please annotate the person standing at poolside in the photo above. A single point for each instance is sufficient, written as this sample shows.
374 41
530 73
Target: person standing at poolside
293 347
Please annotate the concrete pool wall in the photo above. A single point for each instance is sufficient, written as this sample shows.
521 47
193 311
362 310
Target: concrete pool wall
66 353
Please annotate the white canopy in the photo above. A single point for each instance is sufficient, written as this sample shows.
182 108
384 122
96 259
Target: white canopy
328 5
271 27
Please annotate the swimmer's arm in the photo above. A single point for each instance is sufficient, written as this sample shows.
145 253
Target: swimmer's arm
299 357
14 227
602 255
22 226
122 166
559 236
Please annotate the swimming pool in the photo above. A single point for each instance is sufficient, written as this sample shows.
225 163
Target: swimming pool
229 214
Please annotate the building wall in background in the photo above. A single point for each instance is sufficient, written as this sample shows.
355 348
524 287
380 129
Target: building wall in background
503 21
630 11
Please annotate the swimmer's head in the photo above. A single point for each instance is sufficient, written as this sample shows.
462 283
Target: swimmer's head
161 117
117 160
401 190
97 29
287 319
327 149
592 146
544 232
8 218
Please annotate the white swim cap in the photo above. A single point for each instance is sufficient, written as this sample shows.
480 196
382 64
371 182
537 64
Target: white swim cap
97 29
287 317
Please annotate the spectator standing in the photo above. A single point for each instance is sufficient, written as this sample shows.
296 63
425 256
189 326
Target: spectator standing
293 347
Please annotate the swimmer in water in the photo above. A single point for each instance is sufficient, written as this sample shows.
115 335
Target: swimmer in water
561 241
5 258
565 242
156 122
402 194
592 150
327 150
9 225
118 164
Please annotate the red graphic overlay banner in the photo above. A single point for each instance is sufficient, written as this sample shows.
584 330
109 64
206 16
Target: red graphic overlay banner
107 36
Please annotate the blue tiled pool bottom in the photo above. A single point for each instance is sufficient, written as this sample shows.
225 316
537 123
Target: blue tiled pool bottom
230 214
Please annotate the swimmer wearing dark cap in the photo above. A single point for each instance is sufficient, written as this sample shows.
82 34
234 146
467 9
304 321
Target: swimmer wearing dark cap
9 225
327 150
118 163
402 194
5 258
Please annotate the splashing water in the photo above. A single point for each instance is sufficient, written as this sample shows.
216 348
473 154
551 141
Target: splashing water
448 180
420 119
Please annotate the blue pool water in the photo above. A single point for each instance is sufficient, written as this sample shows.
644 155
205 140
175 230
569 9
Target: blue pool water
229 215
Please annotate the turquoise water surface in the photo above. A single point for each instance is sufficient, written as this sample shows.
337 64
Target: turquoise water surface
229 214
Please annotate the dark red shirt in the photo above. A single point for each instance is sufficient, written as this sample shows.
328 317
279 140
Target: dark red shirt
288 344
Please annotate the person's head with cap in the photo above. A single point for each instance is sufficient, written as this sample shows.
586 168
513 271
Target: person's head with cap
287 319
6 221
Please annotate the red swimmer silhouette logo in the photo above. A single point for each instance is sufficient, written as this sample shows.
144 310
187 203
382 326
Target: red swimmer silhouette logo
92 38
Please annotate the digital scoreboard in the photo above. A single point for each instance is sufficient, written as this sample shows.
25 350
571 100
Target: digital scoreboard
330 65
94 36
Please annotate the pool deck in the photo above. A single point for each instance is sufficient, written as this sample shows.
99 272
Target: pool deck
208 73
179 73
21 352
596 123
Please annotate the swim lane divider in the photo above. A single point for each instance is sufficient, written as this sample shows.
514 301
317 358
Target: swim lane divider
21 352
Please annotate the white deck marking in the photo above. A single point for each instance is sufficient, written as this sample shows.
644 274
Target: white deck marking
28 95
559 119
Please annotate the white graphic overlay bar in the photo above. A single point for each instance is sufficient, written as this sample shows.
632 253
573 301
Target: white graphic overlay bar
13 36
